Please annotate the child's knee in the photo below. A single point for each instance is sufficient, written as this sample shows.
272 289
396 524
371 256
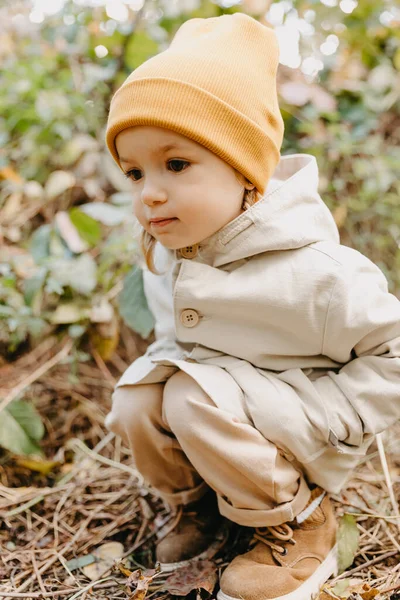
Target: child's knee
131 404
181 394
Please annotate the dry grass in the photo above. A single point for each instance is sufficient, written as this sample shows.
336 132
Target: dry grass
93 494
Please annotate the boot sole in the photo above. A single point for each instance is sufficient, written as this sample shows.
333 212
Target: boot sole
310 588
221 537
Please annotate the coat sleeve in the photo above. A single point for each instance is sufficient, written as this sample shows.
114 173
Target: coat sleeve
362 330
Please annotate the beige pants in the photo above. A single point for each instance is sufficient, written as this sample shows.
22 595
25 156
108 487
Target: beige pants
182 443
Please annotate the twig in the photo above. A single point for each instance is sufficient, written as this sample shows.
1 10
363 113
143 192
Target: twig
24 507
369 563
103 367
75 443
29 359
390 589
389 482
115 290
35 594
140 542
67 547
36 374
53 594
87 587
38 576
371 514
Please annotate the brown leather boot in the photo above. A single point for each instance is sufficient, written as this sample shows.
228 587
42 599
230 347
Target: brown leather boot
197 531
287 562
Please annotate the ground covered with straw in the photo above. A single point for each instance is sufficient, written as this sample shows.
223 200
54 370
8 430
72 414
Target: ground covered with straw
57 513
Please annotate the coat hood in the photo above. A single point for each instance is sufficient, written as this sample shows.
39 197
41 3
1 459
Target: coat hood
290 215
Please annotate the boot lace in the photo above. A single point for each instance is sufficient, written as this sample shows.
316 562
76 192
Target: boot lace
272 535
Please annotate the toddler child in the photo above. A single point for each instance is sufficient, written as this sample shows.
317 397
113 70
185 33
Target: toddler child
277 353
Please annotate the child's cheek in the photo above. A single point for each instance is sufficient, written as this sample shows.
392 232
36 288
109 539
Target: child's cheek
139 214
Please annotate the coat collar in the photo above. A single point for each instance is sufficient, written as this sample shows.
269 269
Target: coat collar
290 215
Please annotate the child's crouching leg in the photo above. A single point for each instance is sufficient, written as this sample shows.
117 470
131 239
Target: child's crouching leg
136 416
255 484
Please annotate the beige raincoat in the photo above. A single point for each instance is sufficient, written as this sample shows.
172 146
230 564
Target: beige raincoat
304 325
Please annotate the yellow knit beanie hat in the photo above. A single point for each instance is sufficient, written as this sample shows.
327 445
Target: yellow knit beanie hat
215 84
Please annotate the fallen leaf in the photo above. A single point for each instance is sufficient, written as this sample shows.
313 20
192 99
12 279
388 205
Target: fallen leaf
58 183
348 536
141 581
36 464
367 592
10 174
12 207
104 560
123 569
104 337
197 574
341 587
81 561
349 588
69 233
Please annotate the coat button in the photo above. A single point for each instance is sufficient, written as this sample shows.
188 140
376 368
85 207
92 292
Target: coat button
189 251
189 317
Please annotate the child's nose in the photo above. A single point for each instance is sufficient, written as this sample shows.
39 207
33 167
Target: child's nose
153 193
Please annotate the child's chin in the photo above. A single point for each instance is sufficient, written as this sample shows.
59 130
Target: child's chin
174 245
170 245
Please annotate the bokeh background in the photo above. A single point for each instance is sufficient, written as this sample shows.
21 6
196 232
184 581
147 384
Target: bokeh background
72 309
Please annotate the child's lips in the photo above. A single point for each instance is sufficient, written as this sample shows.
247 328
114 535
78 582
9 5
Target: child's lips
163 222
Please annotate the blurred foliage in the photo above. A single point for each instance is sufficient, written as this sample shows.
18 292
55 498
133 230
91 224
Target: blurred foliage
69 256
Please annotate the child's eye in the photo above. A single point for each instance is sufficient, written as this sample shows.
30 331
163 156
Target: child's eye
178 163
176 166
133 174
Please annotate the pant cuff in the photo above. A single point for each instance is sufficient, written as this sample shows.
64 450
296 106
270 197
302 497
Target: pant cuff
185 496
282 513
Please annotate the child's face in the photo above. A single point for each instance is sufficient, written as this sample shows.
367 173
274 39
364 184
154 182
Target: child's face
187 183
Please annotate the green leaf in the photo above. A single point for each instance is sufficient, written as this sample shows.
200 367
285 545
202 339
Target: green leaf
348 536
28 418
88 228
36 326
40 243
33 286
79 273
133 305
20 428
81 561
6 311
105 213
341 587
